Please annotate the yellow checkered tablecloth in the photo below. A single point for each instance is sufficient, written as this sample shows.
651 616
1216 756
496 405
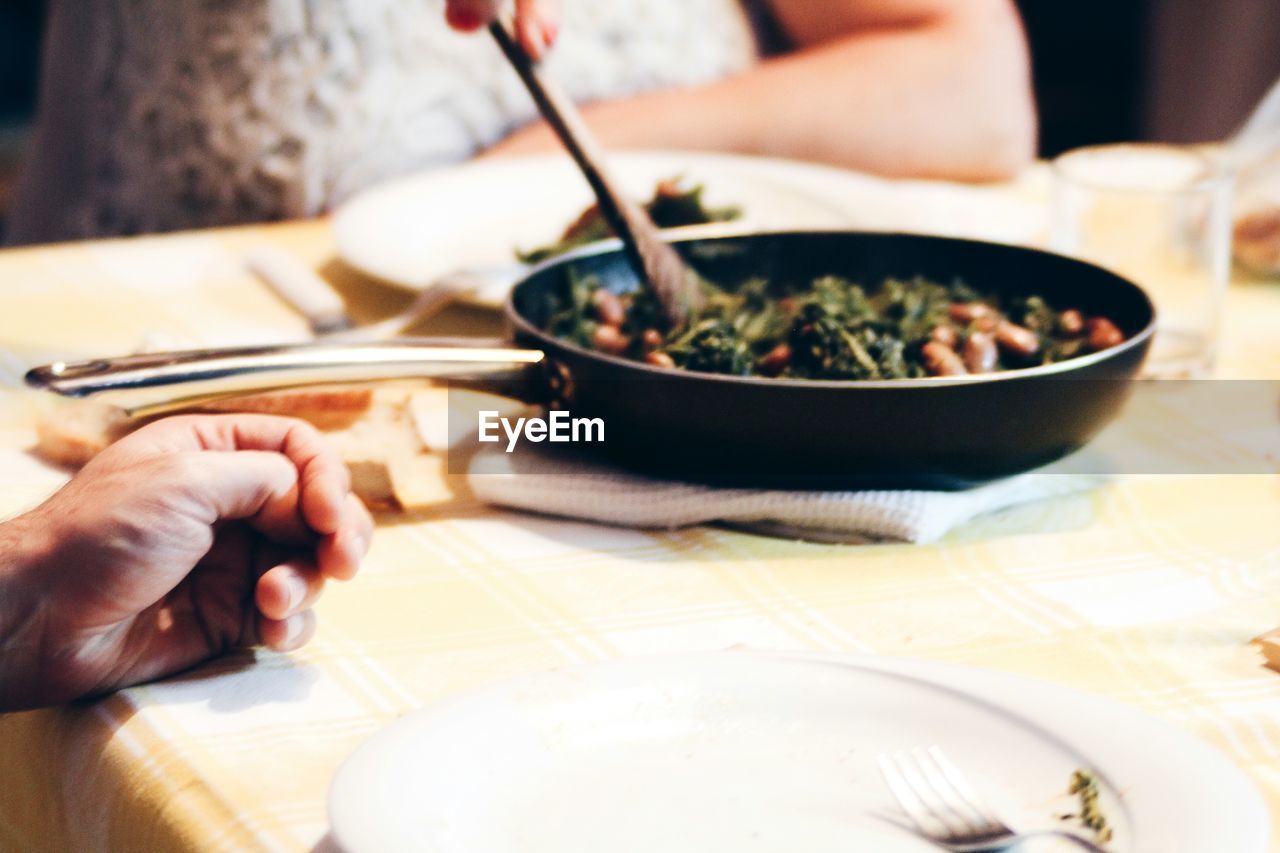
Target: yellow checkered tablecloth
1146 591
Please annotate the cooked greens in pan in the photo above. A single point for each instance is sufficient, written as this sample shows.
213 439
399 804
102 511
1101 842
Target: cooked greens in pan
672 206
833 328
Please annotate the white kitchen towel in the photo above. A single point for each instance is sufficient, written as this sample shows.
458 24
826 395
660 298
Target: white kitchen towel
559 482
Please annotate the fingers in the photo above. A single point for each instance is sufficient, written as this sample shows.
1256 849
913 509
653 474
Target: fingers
281 618
323 478
259 486
537 21
288 589
470 15
537 25
280 478
325 483
549 13
339 556
285 477
287 635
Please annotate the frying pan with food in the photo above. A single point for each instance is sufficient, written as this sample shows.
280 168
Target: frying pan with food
935 432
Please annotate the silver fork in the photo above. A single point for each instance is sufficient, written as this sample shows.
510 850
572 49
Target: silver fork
947 810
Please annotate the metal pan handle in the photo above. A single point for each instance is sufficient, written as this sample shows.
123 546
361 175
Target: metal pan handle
151 384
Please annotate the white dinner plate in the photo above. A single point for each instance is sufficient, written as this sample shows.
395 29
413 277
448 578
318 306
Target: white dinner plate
745 751
410 231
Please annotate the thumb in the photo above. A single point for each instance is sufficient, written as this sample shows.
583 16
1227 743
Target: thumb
468 15
259 486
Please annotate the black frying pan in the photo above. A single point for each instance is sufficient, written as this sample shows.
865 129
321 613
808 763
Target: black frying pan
743 431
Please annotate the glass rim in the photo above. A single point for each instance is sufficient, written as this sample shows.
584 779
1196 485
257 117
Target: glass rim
1213 173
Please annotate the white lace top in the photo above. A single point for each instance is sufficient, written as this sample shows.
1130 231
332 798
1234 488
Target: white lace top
164 114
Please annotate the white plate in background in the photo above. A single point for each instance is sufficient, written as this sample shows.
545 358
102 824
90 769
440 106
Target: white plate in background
768 752
412 230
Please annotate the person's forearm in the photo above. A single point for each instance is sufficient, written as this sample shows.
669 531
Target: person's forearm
929 101
22 555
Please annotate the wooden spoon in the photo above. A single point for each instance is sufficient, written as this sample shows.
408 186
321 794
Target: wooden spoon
676 287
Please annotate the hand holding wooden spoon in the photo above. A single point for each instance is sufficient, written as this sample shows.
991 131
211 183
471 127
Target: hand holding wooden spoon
537 22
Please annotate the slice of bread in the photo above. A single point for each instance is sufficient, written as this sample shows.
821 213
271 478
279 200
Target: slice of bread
72 432
370 427
325 408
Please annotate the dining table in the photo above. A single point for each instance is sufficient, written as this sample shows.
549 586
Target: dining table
1147 590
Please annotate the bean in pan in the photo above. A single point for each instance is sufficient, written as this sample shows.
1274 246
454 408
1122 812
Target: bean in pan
608 308
651 338
775 360
946 335
833 328
941 360
1071 323
980 355
607 338
1103 334
1015 339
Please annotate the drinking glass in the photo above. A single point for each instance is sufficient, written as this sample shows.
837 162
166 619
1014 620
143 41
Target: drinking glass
1159 215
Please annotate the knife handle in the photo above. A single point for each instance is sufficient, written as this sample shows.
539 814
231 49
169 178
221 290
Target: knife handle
299 286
